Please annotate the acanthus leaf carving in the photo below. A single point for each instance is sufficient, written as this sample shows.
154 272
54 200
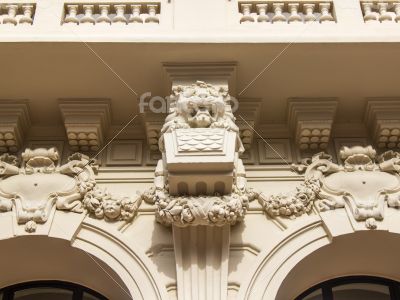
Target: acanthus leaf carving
365 184
40 184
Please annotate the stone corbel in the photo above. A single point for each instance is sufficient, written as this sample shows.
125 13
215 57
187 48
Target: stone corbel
40 185
247 116
200 185
14 121
311 120
382 118
86 122
365 185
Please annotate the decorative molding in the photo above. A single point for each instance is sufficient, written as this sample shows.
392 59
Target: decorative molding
247 116
274 151
127 153
217 73
382 117
58 145
40 185
347 142
86 122
103 205
153 133
365 185
14 122
311 122
200 180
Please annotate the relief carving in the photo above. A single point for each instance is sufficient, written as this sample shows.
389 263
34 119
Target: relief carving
199 105
40 185
365 185
200 180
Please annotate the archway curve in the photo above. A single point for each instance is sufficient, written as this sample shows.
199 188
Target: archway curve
93 257
275 273
365 253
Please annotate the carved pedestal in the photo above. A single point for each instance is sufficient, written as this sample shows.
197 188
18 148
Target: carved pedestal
201 255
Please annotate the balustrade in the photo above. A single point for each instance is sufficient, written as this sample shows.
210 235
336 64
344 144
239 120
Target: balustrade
112 13
16 14
286 12
383 11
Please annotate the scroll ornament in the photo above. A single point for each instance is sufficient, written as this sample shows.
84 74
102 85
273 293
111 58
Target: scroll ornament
40 185
366 185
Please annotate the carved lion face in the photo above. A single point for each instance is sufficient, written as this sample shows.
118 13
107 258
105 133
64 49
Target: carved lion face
201 110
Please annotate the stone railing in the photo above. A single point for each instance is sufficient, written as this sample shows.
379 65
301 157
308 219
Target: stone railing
16 13
286 12
112 13
382 11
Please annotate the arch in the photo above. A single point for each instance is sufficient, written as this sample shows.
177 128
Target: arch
308 254
94 257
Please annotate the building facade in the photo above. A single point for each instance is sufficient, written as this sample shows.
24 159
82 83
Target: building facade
200 149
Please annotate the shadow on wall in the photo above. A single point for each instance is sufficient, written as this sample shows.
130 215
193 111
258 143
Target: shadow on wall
373 253
31 258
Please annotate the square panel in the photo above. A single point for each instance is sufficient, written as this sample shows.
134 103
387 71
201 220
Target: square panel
127 153
274 151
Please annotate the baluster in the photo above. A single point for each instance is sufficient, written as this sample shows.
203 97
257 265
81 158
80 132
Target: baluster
27 10
326 15
246 11
309 12
396 7
369 15
262 13
384 14
294 13
11 14
120 14
278 9
152 18
104 12
88 17
72 14
135 17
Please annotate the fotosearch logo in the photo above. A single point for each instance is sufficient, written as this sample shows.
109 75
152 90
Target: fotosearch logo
160 105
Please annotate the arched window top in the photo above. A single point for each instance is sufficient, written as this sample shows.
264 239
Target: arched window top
49 290
354 288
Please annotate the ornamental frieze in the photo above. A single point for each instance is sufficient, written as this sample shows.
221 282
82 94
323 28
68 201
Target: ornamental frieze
40 185
365 184
200 180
